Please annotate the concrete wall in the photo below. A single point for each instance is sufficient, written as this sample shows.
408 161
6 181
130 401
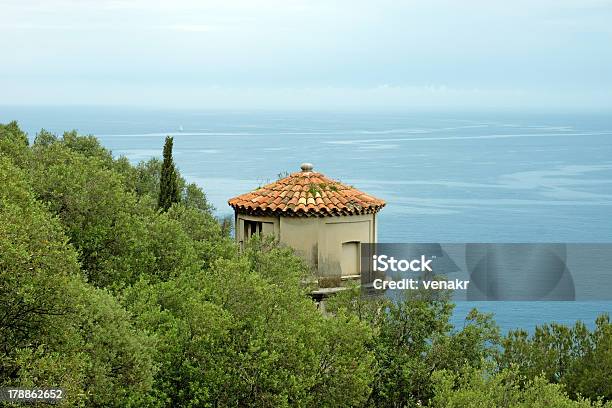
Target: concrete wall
335 231
302 234
319 240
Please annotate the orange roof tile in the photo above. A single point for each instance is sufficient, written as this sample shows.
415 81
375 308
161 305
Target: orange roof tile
306 193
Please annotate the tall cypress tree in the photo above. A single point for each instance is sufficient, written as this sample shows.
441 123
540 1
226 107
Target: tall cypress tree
168 185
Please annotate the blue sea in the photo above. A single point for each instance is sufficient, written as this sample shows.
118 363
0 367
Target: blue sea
446 177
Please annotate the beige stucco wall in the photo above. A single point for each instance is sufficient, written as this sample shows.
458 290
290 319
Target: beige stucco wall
319 240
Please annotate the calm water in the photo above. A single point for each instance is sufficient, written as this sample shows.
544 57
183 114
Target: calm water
445 177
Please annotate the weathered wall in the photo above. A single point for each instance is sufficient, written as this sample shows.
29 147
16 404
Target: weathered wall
318 240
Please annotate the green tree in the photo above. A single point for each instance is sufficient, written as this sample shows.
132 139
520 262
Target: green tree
14 143
12 130
144 179
473 388
205 233
56 329
168 190
45 138
573 356
114 226
106 223
591 374
412 339
243 333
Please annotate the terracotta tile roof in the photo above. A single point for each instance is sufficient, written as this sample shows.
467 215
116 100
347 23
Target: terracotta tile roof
306 193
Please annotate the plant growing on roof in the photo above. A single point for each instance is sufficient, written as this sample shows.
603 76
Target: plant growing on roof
318 188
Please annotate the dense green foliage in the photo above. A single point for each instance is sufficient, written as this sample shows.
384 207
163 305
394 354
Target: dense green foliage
124 305
573 356
477 388
168 188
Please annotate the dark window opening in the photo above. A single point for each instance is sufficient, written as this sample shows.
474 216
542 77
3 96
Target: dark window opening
252 227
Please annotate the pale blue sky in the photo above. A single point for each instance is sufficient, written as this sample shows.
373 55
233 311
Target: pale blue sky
309 54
